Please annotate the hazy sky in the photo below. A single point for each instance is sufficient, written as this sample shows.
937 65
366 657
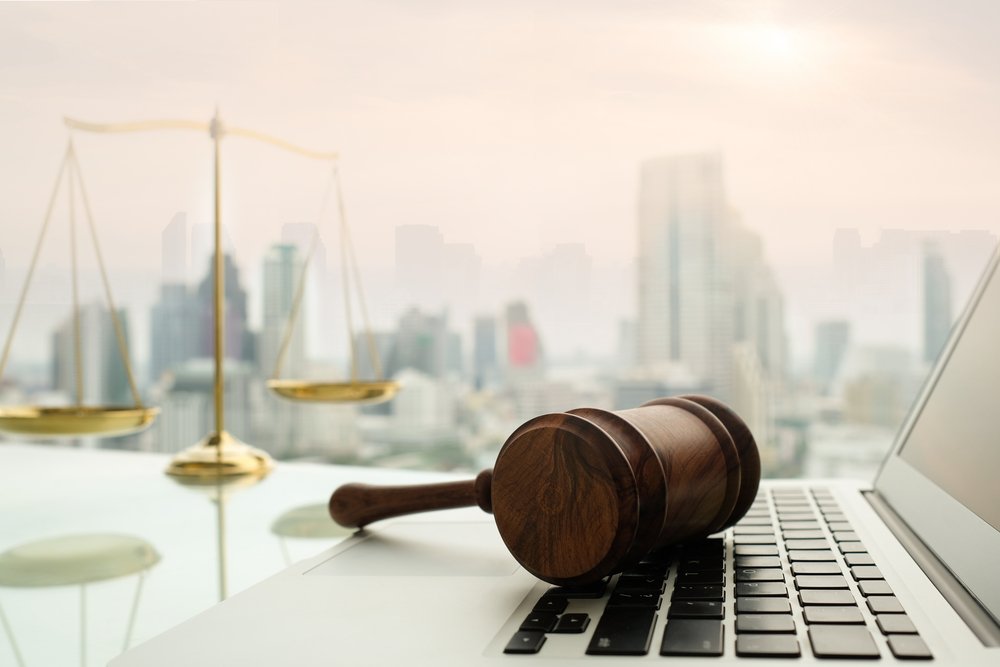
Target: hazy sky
512 125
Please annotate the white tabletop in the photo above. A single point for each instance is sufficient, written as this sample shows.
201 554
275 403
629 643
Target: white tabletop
49 616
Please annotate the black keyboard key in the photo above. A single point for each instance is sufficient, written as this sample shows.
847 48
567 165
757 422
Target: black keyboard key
572 624
837 615
842 641
594 590
819 597
769 623
909 647
757 561
763 606
702 565
816 568
698 592
768 589
822 555
821 581
755 550
623 631
874 587
866 572
896 624
759 574
854 559
634 598
885 604
704 578
692 636
767 646
638 582
551 604
851 547
806 545
649 568
695 609
542 621
525 642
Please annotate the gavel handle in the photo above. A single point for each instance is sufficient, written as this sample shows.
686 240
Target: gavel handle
357 505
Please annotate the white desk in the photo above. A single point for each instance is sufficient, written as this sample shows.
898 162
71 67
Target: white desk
195 547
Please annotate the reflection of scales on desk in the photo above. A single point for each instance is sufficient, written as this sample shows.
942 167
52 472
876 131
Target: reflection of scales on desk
219 454
76 560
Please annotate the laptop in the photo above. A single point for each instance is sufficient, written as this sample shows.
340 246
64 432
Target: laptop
906 568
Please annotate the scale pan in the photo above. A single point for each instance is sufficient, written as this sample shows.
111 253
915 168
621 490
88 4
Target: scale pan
66 422
368 391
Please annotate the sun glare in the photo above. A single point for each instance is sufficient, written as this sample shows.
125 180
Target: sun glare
775 42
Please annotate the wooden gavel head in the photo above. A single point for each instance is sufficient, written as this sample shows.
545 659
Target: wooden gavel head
586 493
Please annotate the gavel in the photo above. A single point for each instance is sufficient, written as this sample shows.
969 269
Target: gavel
583 494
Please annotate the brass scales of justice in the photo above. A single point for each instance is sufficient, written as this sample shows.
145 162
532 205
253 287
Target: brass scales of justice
219 454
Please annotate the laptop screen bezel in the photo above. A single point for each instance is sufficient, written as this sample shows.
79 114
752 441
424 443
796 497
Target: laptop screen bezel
965 543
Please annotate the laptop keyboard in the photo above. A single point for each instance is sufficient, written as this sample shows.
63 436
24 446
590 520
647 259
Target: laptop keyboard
800 579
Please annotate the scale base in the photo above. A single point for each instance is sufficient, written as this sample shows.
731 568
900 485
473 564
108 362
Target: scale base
219 455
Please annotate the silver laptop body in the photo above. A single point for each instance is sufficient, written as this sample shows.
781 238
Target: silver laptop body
918 552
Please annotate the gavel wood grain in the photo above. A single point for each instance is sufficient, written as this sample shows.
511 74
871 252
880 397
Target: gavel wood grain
586 493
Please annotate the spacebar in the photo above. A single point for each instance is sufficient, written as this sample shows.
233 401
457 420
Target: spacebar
623 631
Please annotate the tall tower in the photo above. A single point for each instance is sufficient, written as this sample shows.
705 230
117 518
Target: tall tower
282 266
937 303
685 300
104 378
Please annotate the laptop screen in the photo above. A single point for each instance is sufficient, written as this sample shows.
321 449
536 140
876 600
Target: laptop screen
955 438
942 479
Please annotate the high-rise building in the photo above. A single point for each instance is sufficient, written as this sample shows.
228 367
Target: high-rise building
174 250
239 340
485 366
524 345
284 427
685 300
832 340
282 268
306 237
103 371
426 344
174 335
937 303
890 268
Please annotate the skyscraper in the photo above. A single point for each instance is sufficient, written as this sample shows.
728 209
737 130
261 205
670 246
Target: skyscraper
282 267
937 303
174 334
424 342
239 343
484 353
524 345
104 380
685 300
832 339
